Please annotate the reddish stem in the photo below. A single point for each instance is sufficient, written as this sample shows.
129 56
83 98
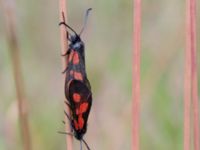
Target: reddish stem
136 74
187 81
64 47
191 86
194 86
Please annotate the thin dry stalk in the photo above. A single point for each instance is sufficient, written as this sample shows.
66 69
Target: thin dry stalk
64 47
136 74
187 81
15 57
194 79
191 86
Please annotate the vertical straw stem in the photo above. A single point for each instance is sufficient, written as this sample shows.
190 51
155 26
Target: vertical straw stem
191 82
194 86
10 20
136 74
187 81
64 47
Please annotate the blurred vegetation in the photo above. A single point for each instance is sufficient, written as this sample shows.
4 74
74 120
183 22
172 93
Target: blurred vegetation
108 40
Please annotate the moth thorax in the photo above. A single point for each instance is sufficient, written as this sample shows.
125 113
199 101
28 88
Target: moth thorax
78 45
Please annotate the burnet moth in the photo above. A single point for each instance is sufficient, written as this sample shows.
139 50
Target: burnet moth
77 87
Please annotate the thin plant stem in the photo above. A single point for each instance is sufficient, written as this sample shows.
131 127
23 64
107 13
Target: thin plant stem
187 81
191 86
64 47
136 74
194 86
10 19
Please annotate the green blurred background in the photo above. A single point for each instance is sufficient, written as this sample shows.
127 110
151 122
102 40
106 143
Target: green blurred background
108 41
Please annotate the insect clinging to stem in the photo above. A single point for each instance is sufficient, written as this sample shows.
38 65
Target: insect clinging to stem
77 86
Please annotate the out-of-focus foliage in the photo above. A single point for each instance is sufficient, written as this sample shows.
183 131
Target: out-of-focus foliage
108 40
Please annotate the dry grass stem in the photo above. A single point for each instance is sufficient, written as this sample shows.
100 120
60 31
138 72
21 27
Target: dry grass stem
191 87
194 86
10 19
187 82
64 47
136 74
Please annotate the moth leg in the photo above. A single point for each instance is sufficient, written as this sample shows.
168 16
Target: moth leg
66 53
88 84
65 70
68 34
71 128
68 105
70 120
69 133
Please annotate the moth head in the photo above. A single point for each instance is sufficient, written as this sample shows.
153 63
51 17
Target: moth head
79 133
74 39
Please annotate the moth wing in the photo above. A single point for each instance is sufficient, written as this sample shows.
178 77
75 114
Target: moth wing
89 100
77 93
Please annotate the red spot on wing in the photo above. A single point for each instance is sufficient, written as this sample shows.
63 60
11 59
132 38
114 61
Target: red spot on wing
83 108
78 76
76 97
76 58
71 56
80 121
77 111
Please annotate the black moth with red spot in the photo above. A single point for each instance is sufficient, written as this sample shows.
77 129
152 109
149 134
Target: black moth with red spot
77 87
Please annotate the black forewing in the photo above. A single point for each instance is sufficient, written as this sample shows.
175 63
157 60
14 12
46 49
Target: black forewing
76 86
78 68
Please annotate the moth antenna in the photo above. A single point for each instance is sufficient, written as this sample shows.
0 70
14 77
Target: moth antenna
85 20
67 24
63 15
86 144
68 133
81 144
68 34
